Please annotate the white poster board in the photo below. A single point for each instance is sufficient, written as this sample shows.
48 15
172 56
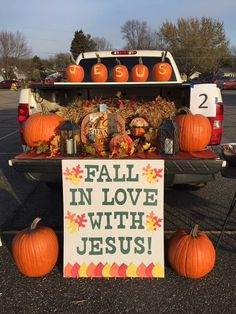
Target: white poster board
113 218
203 99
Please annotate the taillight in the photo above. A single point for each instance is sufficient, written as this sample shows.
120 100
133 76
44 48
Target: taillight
23 114
217 125
123 52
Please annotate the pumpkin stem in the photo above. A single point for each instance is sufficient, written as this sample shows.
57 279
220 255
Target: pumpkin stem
194 231
183 110
163 56
118 61
98 58
140 60
44 109
35 223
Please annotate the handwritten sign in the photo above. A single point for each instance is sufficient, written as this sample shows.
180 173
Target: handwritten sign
113 218
203 99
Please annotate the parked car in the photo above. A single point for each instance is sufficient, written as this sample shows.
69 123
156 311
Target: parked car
226 82
8 83
55 77
230 84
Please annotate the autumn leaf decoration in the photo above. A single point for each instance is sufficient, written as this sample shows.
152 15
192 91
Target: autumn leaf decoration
153 222
152 174
50 149
75 175
74 223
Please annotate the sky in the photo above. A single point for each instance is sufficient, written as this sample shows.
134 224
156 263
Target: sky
49 25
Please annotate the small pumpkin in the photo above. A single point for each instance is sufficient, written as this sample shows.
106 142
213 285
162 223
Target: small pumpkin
99 71
120 72
75 73
139 72
41 127
195 131
121 144
35 250
162 71
191 254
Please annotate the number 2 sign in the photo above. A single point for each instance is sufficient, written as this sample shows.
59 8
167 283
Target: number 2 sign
203 99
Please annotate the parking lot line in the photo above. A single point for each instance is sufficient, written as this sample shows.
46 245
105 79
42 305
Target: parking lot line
5 136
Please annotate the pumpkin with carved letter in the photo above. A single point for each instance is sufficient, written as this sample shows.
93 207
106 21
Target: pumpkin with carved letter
75 73
162 71
99 71
120 72
139 72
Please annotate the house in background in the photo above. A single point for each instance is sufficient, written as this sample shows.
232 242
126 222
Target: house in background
228 71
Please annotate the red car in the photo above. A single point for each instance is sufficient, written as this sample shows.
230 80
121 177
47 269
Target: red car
8 83
230 83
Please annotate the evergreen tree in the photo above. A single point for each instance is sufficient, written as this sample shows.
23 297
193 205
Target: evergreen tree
81 43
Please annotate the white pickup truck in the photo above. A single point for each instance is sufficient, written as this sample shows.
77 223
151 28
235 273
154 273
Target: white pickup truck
203 98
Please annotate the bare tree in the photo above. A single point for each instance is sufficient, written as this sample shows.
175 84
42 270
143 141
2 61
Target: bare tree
60 61
138 35
102 43
13 47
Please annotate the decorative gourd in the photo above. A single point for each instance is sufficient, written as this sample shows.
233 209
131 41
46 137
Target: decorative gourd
121 145
162 71
35 250
191 255
120 72
41 127
75 73
99 71
139 72
195 131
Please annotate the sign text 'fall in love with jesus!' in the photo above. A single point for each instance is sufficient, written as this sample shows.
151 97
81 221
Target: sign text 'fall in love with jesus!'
113 218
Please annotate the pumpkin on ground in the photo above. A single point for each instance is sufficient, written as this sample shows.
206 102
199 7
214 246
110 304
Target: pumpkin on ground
41 127
75 73
121 145
99 71
191 255
35 250
139 72
120 72
162 71
195 132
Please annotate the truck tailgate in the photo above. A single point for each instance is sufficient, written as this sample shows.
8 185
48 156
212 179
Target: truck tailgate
205 162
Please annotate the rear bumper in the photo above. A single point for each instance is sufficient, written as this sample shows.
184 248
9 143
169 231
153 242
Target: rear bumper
176 171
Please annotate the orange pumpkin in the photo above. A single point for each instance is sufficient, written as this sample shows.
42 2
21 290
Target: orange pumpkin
162 71
121 145
35 250
41 127
191 255
99 71
75 73
139 72
120 72
195 132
